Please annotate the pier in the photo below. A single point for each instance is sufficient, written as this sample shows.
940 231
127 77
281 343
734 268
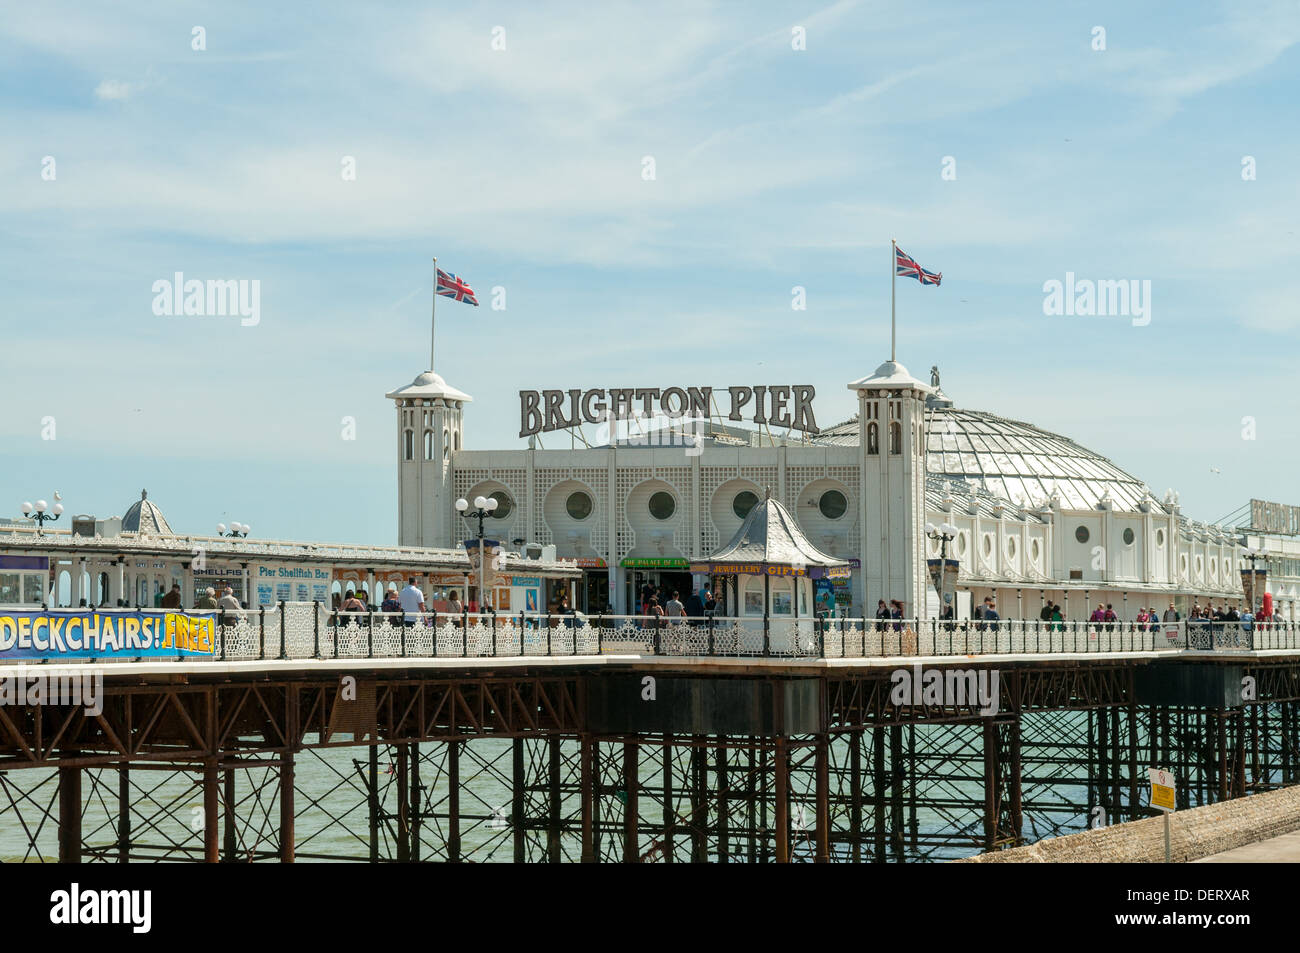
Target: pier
607 742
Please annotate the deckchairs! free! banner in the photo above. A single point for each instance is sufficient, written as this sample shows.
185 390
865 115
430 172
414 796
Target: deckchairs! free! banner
39 634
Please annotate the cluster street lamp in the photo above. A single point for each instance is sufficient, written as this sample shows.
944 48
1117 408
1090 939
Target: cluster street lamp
237 530
484 506
1250 577
41 515
943 534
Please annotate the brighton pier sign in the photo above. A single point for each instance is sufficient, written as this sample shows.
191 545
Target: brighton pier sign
777 405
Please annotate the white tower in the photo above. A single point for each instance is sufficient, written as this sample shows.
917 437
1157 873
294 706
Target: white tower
429 417
891 488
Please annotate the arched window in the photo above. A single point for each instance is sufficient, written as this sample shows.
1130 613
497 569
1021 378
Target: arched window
428 445
873 438
457 438
895 438
410 445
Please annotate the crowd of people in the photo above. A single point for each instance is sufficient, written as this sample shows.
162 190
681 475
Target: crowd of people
658 611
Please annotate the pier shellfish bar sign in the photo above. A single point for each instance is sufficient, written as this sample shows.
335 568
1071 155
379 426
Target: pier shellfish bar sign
38 634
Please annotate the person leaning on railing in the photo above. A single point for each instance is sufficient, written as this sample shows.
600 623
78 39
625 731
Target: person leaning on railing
352 608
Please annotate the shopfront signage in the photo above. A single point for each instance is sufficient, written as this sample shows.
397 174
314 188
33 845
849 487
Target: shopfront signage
778 405
656 562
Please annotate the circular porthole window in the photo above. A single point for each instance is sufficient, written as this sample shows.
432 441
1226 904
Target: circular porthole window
832 504
578 505
1034 550
744 502
1160 537
1011 547
662 505
1128 537
961 544
1081 534
504 506
988 544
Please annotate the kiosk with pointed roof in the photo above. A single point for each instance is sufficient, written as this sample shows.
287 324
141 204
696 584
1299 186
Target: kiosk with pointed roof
770 565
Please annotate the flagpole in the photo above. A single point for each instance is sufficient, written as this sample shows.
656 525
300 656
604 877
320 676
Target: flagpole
893 275
433 312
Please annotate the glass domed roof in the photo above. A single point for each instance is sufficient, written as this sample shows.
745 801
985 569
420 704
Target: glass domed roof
1024 464
1015 461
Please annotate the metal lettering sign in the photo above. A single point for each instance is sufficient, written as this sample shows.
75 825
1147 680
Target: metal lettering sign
787 406
1274 518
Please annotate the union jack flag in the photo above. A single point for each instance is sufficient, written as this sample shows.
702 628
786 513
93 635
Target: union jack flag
905 265
449 286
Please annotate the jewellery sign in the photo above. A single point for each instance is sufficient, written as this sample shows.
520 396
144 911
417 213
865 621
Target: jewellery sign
105 635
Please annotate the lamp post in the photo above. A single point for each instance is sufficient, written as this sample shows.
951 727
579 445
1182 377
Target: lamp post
483 508
237 530
1254 554
40 515
944 533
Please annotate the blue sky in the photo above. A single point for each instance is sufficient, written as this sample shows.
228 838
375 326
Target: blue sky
522 169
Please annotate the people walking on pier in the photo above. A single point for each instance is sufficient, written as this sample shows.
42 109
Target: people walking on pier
412 602
391 603
991 614
173 598
209 600
674 609
694 605
882 612
228 605
655 612
1171 614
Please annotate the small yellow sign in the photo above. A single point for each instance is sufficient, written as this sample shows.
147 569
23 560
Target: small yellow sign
1162 789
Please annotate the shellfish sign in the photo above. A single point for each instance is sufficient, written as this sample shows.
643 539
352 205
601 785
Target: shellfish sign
777 405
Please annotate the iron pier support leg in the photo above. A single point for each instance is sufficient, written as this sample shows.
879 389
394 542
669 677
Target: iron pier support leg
585 768
69 815
123 813
724 805
990 784
631 784
823 799
211 812
373 775
287 834
669 811
855 793
229 840
518 795
416 796
699 802
1017 807
782 792
403 807
453 802
878 795
553 852
898 771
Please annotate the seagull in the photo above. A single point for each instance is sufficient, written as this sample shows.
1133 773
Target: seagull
57 496
1215 470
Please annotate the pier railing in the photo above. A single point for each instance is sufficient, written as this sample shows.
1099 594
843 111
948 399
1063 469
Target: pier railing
301 631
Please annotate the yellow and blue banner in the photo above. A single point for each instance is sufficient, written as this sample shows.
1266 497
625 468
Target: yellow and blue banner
88 633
